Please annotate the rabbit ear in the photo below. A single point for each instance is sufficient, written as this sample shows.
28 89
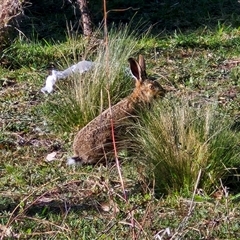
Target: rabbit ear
141 62
135 69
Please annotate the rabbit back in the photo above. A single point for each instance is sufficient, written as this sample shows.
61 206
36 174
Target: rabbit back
94 140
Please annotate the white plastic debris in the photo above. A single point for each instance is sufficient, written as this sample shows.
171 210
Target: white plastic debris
80 67
50 81
51 156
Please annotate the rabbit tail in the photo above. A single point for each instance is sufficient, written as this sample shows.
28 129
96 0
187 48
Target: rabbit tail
74 161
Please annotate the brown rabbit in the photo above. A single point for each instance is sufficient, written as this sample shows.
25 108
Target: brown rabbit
92 140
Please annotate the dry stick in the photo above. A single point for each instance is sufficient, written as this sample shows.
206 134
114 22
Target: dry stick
105 25
224 189
109 102
112 224
144 220
122 10
115 150
195 190
112 123
43 221
183 223
11 218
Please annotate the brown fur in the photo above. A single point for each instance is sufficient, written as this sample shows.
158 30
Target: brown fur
92 140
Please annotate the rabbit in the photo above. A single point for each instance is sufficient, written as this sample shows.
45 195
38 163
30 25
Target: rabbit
91 141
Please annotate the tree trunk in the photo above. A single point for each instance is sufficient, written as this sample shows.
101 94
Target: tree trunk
8 10
85 18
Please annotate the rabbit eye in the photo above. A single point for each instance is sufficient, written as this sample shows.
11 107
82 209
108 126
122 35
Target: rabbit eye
151 87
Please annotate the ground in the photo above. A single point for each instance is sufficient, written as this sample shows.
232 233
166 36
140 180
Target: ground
43 198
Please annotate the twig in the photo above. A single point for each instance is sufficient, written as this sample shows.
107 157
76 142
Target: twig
105 24
122 9
191 207
109 103
11 218
112 120
115 149
194 193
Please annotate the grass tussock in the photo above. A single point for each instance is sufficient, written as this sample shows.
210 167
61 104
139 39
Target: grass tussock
84 96
177 141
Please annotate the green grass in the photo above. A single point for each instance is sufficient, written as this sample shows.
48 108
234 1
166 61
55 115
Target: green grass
181 140
42 199
87 95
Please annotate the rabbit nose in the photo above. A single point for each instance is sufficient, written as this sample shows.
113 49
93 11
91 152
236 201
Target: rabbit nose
161 92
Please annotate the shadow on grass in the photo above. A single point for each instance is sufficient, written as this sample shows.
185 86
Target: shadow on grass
48 19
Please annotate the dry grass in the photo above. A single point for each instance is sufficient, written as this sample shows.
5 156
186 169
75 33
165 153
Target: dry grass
180 140
41 199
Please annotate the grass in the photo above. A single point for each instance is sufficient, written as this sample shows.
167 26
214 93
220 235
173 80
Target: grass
41 199
109 78
181 140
